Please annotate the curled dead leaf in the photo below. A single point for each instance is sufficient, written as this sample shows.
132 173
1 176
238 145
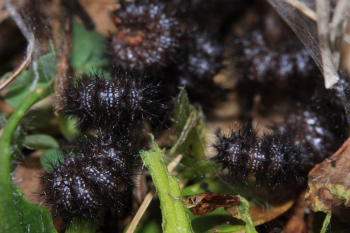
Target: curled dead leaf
263 214
204 203
329 182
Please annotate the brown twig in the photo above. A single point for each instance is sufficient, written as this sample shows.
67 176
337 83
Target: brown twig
3 13
148 198
62 34
24 65
338 27
140 212
28 34
297 224
329 65
77 9
303 9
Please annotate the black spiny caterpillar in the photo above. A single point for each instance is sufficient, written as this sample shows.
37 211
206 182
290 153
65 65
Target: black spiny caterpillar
268 68
264 63
309 134
213 15
120 103
202 60
272 162
97 178
318 128
204 55
148 35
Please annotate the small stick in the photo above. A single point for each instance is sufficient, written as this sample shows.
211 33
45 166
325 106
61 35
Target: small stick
147 201
190 123
303 8
329 65
28 34
140 212
338 27
24 65
61 24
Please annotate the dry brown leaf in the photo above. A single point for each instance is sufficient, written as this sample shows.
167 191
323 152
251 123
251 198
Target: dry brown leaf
329 182
263 214
3 13
27 179
100 11
297 223
204 203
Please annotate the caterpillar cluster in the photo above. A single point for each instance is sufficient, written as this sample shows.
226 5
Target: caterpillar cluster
150 41
272 61
171 41
283 158
97 174
152 36
312 130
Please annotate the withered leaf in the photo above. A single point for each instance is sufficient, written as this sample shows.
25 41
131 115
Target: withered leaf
204 203
329 182
263 214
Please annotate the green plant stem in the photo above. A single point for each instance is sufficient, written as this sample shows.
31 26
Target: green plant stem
6 140
190 124
326 222
16 214
245 216
175 218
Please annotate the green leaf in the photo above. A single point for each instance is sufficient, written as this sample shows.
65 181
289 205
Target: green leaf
68 126
81 226
22 216
182 111
150 226
190 131
89 50
51 159
227 229
200 169
244 215
16 214
21 87
39 119
209 185
218 217
40 141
